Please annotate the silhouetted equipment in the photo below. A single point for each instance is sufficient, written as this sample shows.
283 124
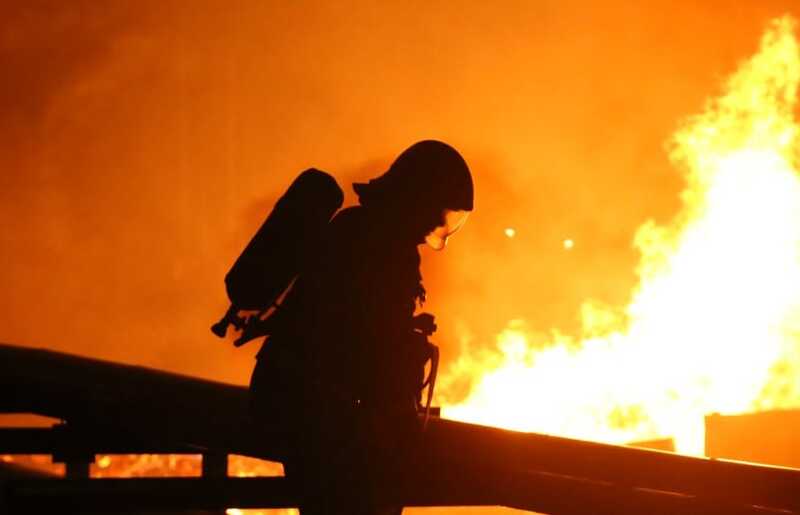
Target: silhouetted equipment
424 327
766 437
431 176
427 174
274 256
660 444
111 406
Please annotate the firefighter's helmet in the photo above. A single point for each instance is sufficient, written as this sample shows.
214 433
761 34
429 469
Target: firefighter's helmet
430 176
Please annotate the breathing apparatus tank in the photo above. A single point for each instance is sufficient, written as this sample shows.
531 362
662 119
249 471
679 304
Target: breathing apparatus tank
275 254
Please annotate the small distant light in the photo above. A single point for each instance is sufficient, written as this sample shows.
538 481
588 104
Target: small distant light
568 244
104 462
510 232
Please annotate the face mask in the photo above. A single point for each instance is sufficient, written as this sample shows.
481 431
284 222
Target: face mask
452 221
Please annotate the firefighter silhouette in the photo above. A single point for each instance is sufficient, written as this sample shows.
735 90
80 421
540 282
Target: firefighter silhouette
339 374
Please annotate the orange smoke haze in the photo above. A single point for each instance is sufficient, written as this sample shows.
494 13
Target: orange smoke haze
142 145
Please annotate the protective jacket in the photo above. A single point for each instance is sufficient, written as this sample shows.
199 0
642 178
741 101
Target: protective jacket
340 373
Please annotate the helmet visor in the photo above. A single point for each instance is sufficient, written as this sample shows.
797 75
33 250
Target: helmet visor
452 221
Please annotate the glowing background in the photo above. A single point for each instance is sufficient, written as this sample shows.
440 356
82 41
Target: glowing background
142 145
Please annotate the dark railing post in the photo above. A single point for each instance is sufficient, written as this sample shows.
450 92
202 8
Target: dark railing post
73 451
77 469
215 465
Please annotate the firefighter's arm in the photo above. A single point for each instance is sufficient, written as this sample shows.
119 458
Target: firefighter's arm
424 323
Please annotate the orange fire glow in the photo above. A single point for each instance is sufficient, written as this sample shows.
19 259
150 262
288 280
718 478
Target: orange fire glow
160 465
713 324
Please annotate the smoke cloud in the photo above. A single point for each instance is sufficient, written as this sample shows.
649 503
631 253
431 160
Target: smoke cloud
142 143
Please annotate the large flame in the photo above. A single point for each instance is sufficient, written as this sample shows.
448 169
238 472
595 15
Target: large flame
713 324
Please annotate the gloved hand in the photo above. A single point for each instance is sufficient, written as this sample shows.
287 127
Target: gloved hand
425 323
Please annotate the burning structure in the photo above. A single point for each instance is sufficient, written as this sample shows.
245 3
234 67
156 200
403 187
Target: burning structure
711 326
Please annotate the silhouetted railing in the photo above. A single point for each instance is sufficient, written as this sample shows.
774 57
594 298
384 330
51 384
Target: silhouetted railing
457 464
